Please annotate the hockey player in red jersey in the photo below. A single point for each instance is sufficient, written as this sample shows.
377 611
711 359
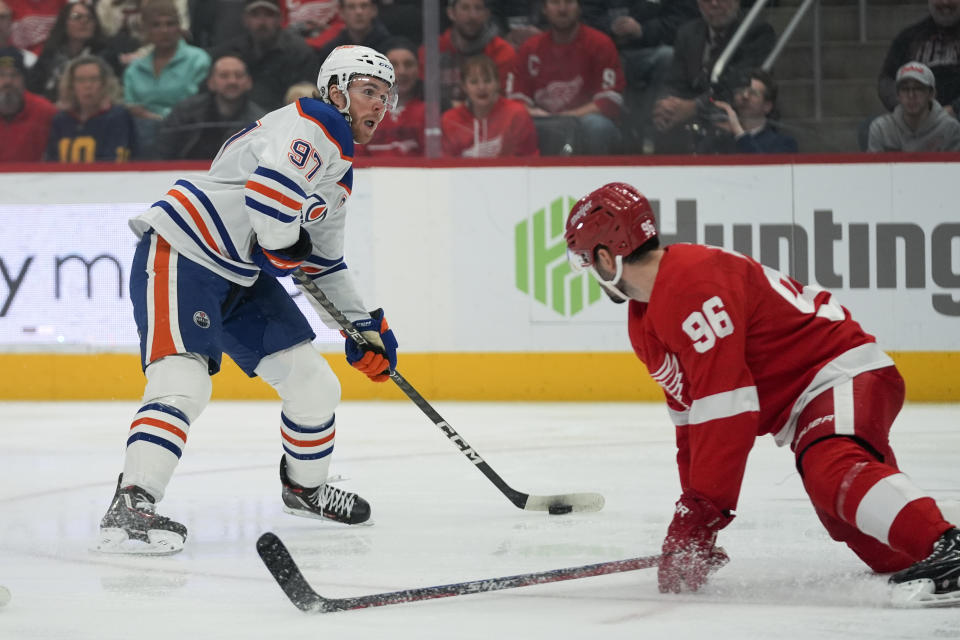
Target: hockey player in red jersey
741 351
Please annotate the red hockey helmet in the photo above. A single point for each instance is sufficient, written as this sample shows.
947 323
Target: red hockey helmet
616 216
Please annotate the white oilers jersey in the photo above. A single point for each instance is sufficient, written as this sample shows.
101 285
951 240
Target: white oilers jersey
292 168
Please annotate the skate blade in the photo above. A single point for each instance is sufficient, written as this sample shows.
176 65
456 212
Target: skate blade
313 516
917 594
116 541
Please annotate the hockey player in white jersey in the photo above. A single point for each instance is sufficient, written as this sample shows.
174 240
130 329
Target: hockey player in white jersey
204 281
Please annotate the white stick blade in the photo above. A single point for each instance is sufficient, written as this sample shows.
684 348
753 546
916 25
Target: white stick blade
579 502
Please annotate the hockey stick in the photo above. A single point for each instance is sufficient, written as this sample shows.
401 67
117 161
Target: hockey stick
287 574
559 503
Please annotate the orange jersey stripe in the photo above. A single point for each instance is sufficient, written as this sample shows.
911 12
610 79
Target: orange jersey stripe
325 132
195 215
162 344
308 443
273 195
153 422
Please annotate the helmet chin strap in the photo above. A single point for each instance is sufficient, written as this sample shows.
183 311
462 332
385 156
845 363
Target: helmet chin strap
611 285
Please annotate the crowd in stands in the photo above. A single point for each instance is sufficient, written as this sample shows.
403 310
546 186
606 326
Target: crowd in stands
114 80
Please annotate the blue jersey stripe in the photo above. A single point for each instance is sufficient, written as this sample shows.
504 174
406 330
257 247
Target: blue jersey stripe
147 437
293 426
282 179
347 179
323 262
165 408
256 205
214 215
307 456
339 267
180 222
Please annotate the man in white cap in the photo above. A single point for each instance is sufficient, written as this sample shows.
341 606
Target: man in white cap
918 122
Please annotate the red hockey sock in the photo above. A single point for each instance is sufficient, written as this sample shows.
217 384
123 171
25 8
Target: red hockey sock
846 482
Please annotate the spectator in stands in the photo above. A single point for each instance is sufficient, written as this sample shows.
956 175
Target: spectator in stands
400 133
301 90
90 126
361 27
317 21
517 20
76 32
471 32
696 49
168 74
6 34
918 122
198 126
276 58
403 18
487 125
32 22
748 119
644 31
122 26
213 22
117 15
24 117
571 81
935 42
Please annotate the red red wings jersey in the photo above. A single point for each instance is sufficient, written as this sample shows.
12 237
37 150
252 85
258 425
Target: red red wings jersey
559 77
506 131
32 21
399 134
739 349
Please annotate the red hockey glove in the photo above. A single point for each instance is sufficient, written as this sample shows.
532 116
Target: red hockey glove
690 553
378 357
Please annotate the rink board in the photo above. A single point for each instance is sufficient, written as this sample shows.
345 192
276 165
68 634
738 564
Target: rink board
470 267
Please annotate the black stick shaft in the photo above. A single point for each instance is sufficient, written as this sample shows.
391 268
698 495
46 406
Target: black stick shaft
284 569
518 498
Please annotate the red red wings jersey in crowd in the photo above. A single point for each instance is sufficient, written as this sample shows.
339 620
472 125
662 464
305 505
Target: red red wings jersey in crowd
25 135
506 131
559 77
399 134
32 21
739 349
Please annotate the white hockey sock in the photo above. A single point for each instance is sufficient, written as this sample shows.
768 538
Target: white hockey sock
157 437
308 449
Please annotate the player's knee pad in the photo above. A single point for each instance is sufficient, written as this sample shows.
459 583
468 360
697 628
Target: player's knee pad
181 381
308 387
836 446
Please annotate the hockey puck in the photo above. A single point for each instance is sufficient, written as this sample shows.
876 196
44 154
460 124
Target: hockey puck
559 509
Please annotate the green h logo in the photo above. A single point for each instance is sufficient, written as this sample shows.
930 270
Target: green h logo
541 262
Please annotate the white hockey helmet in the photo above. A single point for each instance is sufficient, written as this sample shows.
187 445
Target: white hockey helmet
347 61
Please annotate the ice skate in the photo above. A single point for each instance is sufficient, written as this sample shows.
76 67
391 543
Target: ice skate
132 526
935 580
325 502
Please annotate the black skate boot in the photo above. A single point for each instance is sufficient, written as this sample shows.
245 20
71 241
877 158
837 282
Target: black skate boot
935 580
132 526
325 502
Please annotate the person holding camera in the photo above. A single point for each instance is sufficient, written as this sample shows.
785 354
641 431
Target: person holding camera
698 45
747 122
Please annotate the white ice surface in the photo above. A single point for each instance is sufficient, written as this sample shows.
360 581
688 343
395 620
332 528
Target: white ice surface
437 520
